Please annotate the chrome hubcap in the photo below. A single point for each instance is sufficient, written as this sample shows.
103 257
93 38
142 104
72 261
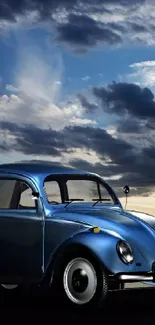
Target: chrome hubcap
80 281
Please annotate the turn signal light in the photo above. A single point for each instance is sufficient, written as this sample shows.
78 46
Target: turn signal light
96 229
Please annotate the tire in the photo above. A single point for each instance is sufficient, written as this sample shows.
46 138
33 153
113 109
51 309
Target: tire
82 282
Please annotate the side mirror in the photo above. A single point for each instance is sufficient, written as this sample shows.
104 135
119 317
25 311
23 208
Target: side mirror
35 195
126 189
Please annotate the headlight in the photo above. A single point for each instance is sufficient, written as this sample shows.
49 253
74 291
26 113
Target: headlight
125 252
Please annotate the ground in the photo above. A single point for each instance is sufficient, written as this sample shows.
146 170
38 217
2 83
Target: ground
121 307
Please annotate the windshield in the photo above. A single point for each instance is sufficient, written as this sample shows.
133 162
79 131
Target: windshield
86 189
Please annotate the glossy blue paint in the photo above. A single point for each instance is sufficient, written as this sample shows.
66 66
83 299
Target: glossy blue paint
115 224
34 238
21 239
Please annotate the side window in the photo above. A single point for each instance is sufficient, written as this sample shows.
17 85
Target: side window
53 193
15 194
26 200
7 187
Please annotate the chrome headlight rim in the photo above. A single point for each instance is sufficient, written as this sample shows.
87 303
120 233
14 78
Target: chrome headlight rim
121 256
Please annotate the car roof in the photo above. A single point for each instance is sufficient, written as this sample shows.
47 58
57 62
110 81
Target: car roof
39 169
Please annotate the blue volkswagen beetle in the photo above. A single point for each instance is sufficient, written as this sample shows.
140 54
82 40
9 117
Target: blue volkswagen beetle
65 228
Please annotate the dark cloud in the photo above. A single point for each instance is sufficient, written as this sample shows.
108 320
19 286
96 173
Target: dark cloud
39 161
10 8
138 28
89 107
117 27
151 124
118 157
33 140
5 147
86 32
104 170
132 126
126 98
79 30
98 140
150 152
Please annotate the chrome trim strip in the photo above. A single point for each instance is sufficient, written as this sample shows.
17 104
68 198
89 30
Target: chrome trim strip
131 277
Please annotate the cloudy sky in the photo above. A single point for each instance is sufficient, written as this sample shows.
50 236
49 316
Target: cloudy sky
77 86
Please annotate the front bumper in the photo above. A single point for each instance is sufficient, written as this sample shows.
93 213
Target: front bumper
135 277
123 281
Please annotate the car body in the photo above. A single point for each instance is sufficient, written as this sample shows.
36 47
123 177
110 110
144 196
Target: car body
42 232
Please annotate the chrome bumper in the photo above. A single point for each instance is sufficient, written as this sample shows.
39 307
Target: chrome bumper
123 281
135 277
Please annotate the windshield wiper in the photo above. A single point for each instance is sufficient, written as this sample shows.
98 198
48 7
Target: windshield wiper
100 200
72 200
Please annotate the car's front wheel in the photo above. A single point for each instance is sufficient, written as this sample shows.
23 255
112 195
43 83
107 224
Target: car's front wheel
83 282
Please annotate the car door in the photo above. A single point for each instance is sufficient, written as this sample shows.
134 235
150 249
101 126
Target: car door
21 230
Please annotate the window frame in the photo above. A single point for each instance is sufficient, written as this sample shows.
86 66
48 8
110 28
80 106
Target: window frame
60 188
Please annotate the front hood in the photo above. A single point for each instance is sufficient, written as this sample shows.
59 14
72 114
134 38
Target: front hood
104 217
136 228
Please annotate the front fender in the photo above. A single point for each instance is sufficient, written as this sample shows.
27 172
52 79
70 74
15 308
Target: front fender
103 247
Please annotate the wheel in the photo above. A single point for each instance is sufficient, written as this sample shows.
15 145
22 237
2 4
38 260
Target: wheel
82 282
